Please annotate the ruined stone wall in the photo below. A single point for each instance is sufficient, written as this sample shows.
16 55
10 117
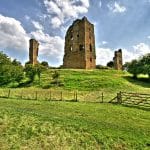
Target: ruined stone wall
80 45
118 63
33 51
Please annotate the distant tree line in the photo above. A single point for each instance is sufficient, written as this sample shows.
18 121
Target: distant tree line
12 71
139 66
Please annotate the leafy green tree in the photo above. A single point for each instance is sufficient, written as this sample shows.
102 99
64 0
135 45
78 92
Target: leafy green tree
4 59
39 69
15 62
17 73
8 71
45 64
145 63
110 64
5 74
55 77
134 68
30 71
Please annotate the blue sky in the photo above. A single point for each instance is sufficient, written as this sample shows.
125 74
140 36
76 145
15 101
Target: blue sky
118 24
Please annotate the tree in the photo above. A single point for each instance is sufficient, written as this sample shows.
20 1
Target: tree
134 67
145 63
4 59
55 77
45 64
15 62
30 71
110 64
8 71
38 70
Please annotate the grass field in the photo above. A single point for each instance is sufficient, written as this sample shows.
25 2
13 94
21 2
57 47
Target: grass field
109 82
66 125
29 124
106 80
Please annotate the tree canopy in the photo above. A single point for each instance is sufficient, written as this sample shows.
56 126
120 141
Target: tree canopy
139 66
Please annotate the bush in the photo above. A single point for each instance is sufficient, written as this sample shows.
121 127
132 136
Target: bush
10 71
101 67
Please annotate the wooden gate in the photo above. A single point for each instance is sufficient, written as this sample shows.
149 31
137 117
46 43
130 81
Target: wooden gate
132 99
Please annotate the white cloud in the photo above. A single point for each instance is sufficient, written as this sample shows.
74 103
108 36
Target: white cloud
116 7
14 38
104 42
56 22
37 25
148 37
27 17
12 34
137 51
65 10
51 47
127 55
85 3
100 3
141 49
103 55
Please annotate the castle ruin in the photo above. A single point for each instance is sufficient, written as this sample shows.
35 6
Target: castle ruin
118 63
80 45
33 51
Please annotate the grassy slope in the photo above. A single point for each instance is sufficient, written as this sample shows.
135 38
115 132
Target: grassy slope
109 81
89 80
55 125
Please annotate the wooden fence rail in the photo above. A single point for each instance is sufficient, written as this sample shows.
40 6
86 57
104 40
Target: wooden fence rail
95 96
132 99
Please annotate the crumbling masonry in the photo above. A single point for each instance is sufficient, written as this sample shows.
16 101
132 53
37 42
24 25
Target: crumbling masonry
33 51
118 63
80 45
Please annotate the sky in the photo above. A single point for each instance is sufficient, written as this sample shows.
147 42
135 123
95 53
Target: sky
118 24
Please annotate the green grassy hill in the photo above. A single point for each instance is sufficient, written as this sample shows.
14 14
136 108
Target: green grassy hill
109 82
102 80
28 124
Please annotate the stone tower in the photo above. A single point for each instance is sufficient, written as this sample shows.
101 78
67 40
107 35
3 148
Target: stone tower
33 51
118 63
80 45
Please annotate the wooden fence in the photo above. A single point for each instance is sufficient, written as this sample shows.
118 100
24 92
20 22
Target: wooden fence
128 99
52 95
132 99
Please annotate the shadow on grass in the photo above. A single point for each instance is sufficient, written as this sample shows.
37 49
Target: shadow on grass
133 106
137 107
25 84
145 82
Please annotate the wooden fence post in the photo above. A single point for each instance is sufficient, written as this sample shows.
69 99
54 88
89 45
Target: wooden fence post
36 95
50 94
21 94
61 94
102 97
74 95
8 93
119 97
